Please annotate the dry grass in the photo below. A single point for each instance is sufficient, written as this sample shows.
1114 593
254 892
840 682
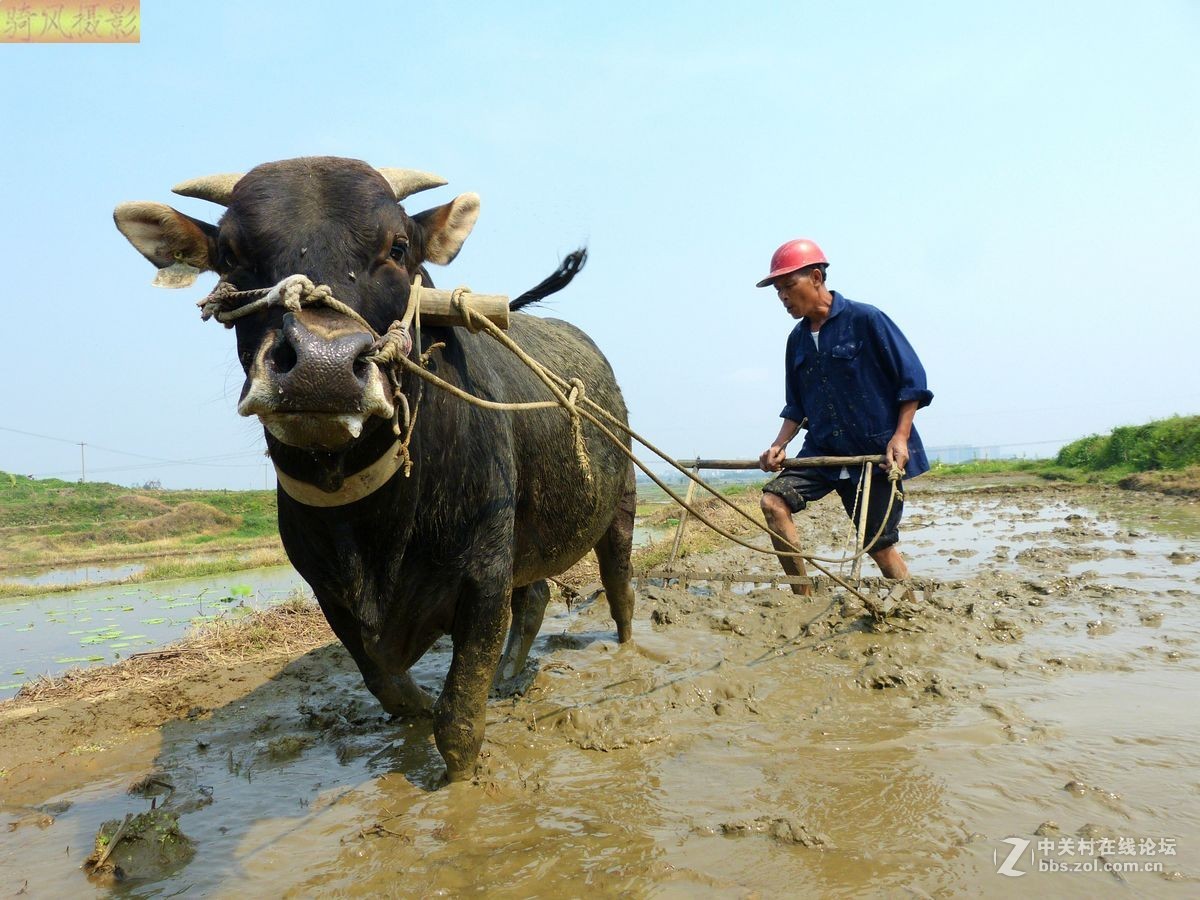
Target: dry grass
256 559
291 628
1178 482
696 537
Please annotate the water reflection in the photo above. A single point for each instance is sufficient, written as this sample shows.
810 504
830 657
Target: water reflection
50 633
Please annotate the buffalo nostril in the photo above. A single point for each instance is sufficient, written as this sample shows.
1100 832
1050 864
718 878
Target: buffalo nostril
362 365
361 369
283 355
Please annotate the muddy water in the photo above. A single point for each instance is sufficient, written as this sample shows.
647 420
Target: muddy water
747 743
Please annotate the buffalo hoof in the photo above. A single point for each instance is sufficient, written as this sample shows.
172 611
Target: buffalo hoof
400 696
460 764
458 741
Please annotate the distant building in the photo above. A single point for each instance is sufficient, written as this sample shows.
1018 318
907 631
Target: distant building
958 453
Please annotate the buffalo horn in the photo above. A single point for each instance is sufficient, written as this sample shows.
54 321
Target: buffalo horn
216 188
409 181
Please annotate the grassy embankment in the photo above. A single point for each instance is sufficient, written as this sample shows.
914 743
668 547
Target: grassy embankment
49 523
1158 456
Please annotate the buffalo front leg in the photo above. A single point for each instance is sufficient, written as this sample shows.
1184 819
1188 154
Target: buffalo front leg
398 694
614 554
528 610
461 710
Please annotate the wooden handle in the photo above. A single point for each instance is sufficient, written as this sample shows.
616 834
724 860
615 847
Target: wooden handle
436 308
795 463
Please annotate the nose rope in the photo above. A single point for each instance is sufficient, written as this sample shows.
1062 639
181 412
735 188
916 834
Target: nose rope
391 351
292 293
295 292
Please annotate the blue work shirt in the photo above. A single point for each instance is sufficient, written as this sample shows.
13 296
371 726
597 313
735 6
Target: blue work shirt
851 387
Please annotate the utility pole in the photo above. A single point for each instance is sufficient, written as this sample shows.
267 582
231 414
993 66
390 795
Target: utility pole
82 464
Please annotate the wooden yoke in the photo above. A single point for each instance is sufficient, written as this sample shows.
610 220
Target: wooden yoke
438 307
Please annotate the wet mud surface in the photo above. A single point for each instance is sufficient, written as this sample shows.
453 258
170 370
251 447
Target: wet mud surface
747 743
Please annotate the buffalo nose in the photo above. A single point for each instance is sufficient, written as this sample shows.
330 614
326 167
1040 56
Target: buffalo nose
316 368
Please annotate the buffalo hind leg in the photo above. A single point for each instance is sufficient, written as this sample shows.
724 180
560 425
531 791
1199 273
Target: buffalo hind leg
461 710
528 610
616 568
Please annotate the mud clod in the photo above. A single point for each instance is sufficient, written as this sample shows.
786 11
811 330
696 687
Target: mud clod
288 747
784 830
144 847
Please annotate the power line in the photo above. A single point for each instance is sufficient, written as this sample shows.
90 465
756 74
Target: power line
202 461
44 437
94 471
199 460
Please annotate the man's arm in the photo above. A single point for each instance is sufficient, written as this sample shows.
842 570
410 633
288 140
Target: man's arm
897 448
772 458
901 362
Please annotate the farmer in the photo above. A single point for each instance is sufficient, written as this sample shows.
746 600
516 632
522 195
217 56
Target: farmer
855 382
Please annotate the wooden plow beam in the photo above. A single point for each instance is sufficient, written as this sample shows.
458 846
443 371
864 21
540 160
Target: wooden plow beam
685 577
790 463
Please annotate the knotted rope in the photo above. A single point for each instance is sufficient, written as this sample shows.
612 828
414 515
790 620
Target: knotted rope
392 351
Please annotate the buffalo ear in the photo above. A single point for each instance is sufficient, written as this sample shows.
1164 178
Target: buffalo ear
169 239
446 227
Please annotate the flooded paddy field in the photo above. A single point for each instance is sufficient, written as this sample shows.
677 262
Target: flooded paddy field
1027 724
47 634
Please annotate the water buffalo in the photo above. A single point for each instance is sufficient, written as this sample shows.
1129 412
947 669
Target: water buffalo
495 502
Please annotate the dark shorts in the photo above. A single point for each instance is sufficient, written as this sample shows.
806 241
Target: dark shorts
800 487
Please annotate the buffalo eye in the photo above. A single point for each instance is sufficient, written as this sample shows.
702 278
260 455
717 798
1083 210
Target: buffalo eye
228 259
399 251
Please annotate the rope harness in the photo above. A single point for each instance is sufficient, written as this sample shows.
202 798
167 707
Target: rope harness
392 352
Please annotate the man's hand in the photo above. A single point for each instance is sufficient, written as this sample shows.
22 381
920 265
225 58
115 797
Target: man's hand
897 453
772 458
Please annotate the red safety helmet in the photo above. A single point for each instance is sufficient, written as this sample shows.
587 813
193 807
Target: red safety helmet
794 255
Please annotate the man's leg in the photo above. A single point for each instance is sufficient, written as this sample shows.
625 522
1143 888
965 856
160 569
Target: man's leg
890 562
784 496
779 520
884 551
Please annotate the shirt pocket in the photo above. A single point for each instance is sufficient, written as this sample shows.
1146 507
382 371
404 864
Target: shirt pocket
846 350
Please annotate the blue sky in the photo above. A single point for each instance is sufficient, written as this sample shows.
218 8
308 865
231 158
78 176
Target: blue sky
1017 185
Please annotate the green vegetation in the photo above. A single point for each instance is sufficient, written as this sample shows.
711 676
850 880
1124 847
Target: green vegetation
1035 469
63 507
50 523
1166 444
1162 455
